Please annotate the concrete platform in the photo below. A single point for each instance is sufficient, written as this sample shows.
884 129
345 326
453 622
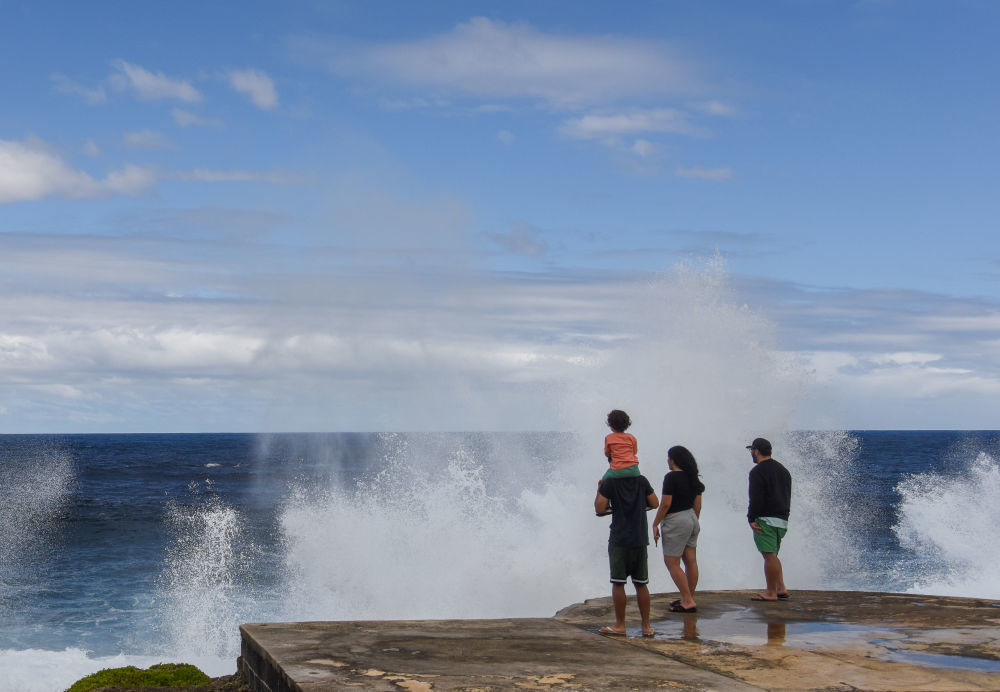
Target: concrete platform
817 640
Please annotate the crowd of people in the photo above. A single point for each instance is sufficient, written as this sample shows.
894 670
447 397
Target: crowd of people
625 494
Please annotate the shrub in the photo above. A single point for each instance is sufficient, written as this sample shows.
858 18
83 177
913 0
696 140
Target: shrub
160 675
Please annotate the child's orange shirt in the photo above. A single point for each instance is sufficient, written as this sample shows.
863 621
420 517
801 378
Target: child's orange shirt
621 448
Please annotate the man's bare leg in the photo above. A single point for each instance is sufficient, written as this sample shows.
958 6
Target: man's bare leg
618 597
642 596
774 577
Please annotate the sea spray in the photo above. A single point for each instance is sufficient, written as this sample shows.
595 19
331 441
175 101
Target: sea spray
434 534
430 536
206 587
694 366
950 521
37 670
34 483
828 546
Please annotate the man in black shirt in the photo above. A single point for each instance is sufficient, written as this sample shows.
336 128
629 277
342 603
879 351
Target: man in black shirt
628 500
770 501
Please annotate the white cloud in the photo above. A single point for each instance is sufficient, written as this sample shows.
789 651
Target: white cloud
151 86
65 85
717 108
506 137
188 119
63 391
146 139
632 122
490 58
208 176
90 148
328 328
986 321
717 175
643 148
895 376
255 84
905 358
414 103
29 171
130 179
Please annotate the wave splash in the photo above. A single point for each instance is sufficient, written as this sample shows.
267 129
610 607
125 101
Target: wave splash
436 534
949 521
207 588
33 491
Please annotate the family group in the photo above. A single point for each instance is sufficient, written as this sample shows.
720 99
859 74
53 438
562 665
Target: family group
627 495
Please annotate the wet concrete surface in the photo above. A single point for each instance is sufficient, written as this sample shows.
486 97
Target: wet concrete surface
826 640
816 640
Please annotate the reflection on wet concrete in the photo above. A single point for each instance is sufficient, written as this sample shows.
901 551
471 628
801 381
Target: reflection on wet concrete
922 658
727 628
746 627
775 633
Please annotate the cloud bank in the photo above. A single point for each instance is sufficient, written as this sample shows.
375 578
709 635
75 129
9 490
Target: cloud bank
488 58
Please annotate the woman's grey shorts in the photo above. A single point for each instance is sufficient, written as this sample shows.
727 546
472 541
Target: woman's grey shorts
678 531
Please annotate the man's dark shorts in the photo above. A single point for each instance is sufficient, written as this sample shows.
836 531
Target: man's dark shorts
628 562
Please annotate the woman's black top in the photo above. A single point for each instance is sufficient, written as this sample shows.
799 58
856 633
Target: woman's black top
678 486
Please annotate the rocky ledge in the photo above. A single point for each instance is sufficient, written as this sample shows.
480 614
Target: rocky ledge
815 640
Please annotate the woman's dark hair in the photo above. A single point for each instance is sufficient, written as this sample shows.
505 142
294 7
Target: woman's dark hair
684 460
619 421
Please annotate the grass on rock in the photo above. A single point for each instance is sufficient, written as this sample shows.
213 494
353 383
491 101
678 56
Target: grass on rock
160 675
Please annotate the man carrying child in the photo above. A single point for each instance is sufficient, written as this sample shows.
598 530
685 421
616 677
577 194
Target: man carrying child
628 499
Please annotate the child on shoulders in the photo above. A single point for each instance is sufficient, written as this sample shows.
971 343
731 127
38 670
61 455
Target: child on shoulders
620 447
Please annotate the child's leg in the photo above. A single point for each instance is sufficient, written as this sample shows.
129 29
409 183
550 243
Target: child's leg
627 472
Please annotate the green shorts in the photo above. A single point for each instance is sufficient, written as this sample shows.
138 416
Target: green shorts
628 562
627 472
769 541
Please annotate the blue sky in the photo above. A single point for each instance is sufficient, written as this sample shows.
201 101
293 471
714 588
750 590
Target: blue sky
367 216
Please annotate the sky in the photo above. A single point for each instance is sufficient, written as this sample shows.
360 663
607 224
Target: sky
325 216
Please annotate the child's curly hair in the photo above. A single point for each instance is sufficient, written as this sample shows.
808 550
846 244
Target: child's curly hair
619 421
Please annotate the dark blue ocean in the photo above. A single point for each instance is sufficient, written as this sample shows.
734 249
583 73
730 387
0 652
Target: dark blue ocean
137 549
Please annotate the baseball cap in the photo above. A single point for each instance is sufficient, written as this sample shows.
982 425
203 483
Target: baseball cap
761 445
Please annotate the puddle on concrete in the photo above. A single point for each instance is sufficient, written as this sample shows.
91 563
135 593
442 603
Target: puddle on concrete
746 628
922 658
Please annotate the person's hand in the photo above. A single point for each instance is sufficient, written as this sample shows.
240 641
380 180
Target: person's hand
656 534
756 527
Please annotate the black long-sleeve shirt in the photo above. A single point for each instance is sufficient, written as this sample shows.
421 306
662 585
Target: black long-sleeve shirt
770 491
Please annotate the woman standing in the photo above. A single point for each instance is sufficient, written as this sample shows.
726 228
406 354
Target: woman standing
677 521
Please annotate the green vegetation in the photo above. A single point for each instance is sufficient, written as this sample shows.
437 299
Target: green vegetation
160 675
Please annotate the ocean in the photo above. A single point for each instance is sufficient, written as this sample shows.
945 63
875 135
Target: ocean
146 548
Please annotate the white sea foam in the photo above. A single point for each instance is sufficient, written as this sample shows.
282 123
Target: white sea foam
951 521
40 670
